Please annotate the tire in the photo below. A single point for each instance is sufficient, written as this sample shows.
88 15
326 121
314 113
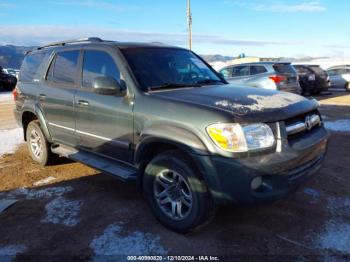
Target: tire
36 139
9 87
347 87
187 190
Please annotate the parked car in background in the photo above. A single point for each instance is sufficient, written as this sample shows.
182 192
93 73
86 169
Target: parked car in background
11 71
312 79
268 75
340 76
7 81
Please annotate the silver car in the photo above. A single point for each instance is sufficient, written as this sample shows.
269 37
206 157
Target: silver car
340 76
269 75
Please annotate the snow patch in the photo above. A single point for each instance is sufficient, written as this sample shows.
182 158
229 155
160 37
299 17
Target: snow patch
62 211
10 140
260 103
115 242
5 97
275 101
11 251
336 236
37 194
342 125
339 205
44 181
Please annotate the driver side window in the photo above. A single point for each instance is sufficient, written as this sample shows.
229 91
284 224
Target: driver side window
98 64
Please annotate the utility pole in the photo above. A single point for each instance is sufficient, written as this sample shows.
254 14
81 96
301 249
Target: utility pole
189 21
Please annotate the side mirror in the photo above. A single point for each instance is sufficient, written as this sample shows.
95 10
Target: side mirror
106 85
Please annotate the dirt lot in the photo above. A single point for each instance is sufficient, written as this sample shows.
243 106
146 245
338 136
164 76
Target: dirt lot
82 214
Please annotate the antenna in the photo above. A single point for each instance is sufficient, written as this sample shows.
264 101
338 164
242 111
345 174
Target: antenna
189 21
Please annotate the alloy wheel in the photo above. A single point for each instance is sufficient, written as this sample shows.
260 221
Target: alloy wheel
173 194
36 143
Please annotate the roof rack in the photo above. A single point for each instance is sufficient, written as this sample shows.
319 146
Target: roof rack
81 40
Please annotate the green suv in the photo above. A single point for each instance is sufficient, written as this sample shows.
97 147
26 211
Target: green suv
162 117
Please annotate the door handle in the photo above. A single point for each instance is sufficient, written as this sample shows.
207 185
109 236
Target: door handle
83 103
42 97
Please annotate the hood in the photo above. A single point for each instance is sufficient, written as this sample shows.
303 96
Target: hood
246 104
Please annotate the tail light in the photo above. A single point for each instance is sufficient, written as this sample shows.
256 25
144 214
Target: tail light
278 79
15 93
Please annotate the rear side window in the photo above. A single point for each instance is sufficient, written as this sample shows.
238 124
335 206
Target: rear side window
255 70
240 71
98 64
63 69
33 65
284 68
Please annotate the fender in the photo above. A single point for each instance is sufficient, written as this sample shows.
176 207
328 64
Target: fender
172 135
36 110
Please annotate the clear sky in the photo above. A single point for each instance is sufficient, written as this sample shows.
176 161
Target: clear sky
229 27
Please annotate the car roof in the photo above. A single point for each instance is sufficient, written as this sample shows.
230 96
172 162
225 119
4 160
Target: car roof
97 41
260 63
339 67
307 65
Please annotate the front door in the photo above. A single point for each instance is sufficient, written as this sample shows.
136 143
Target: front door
104 123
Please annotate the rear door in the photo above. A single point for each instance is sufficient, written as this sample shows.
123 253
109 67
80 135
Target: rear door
258 76
104 123
56 96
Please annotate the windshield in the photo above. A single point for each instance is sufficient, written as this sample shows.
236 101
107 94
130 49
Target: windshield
168 67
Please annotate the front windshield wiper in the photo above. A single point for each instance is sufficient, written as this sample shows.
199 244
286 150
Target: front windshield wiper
208 81
173 85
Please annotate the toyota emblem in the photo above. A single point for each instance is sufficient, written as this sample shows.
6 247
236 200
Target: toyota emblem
308 123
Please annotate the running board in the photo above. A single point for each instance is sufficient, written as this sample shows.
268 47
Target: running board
117 169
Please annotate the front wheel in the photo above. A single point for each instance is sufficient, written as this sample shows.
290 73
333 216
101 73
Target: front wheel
177 195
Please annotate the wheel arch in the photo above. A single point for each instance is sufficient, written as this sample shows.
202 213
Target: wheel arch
152 146
30 114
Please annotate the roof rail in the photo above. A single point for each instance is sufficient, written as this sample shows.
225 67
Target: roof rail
81 40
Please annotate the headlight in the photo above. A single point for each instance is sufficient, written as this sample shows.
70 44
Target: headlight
241 138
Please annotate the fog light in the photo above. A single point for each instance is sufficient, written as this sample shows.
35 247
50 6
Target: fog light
256 182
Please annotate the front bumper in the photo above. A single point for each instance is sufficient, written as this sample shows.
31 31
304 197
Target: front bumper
229 180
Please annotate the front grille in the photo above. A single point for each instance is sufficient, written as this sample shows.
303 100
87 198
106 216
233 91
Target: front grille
303 124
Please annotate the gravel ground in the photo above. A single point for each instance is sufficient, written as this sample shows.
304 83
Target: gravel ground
69 211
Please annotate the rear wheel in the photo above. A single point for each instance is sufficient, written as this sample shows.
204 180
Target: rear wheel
38 146
176 193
